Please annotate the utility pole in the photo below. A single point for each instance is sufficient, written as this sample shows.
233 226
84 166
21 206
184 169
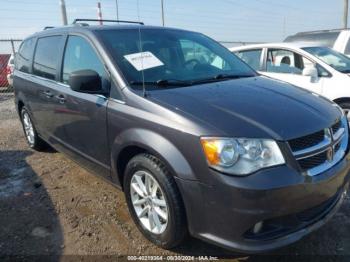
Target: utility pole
99 13
346 12
116 5
63 12
162 4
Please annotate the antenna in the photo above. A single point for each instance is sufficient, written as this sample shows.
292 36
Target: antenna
140 40
99 12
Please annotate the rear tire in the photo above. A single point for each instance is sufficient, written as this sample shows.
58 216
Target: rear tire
165 200
31 135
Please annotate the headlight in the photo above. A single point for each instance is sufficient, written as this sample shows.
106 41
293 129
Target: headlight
241 156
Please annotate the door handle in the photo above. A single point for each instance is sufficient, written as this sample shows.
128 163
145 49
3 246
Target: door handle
48 94
61 99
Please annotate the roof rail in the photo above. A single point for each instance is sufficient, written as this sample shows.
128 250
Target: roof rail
322 31
48 27
82 24
76 21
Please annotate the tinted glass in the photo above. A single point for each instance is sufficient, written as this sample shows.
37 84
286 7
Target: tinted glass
347 48
171 55
80 55
46 56
333 58
251 57
285 61
24 55
323 38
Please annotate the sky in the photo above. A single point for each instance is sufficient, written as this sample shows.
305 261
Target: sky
223 20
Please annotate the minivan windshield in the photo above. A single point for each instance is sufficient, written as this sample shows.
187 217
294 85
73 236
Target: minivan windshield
336 60
170 57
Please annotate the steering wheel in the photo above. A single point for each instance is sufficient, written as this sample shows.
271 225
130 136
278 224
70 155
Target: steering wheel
192 61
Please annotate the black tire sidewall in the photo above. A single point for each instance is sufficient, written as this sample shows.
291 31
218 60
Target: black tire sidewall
166 239
345 105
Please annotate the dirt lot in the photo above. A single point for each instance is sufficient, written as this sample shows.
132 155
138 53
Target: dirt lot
51 206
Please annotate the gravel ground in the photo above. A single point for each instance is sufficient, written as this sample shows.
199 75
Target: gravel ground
51 206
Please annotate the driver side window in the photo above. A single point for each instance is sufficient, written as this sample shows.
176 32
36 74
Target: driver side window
287 62
79 55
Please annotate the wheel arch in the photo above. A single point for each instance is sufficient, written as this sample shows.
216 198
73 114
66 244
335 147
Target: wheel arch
342 100
136 141
20 105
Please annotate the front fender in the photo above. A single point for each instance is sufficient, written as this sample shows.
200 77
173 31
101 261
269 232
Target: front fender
155 144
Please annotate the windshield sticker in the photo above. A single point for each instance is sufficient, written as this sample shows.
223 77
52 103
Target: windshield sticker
144 60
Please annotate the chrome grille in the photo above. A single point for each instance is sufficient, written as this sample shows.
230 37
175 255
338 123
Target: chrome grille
336 127
337 147
317 152
313 161
306 141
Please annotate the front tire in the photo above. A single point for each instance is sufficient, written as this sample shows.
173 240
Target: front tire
346 108
32 137
154 201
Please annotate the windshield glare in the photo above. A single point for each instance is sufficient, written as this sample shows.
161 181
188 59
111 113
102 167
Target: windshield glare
170 55
336 60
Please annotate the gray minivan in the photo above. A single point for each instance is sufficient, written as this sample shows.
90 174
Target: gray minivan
197 140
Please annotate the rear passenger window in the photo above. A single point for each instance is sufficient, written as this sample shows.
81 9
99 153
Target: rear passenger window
251 57
80 55
47 56
24 55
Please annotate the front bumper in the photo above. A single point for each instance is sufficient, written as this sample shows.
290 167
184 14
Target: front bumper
291 205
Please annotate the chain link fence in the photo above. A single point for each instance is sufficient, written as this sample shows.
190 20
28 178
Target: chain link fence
8 47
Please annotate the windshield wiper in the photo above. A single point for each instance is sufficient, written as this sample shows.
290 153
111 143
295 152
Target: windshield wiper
175 82
219 77
345 71
162 83
228 76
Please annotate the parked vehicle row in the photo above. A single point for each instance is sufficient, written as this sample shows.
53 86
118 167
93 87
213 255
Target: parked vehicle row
318 69
198 141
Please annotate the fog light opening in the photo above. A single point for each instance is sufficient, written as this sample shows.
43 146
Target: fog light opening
258 226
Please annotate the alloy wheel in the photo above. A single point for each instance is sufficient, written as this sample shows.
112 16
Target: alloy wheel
28 128
149 202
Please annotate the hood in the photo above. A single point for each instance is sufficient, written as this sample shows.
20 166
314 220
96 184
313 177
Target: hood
255 107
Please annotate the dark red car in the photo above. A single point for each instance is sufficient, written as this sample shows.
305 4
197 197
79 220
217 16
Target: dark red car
3 72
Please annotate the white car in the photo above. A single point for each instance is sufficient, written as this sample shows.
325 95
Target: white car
320 70
338 39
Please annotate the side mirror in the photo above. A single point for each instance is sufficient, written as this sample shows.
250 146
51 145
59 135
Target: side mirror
85 81
312 72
